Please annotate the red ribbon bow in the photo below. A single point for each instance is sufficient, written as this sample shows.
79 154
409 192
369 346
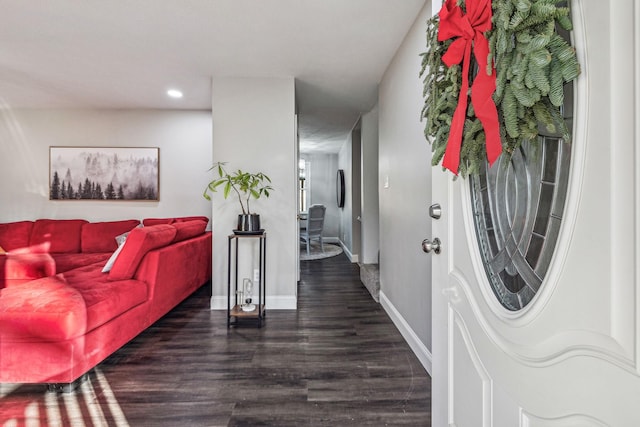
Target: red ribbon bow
470 29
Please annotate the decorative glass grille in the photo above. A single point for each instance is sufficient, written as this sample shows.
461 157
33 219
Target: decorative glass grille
518 206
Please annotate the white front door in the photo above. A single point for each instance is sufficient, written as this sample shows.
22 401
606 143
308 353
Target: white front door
570 357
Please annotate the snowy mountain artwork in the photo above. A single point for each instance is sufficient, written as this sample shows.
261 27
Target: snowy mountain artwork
103 173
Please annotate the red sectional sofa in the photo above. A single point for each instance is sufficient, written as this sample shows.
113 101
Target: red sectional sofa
62 313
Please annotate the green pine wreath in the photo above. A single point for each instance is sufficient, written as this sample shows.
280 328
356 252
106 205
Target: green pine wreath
533 62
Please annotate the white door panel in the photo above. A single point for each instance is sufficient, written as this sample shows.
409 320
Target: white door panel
570 357
469 382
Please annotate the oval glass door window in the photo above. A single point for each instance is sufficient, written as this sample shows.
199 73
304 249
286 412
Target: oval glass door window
518 206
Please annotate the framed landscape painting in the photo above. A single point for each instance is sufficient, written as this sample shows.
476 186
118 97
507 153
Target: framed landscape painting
104 173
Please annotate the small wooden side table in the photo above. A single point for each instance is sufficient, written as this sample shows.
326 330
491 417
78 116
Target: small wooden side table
235 313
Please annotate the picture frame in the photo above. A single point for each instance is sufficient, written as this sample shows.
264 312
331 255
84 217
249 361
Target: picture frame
104 173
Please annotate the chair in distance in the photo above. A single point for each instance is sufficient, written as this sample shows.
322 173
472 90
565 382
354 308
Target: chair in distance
315 223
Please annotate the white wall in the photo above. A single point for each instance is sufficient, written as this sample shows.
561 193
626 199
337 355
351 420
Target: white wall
184 139
322 189
369 201
404 161
254 130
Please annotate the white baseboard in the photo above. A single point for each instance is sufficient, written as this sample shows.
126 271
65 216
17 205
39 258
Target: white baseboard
219 302
421 351
288 302
353 258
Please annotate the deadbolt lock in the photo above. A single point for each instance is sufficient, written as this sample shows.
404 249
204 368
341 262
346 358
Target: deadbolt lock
435 211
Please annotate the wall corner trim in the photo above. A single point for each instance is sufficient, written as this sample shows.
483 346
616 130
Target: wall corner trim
352 257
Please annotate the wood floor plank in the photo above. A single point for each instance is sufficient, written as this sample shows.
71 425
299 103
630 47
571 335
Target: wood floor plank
338 360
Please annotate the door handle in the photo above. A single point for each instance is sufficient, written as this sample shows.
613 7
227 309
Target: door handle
431 246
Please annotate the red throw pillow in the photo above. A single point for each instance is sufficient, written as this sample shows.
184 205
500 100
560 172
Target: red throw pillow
189 229
24 267
40 248
63 234
139 242
101 236
14 235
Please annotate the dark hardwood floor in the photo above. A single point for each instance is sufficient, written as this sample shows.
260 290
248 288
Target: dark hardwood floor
338 360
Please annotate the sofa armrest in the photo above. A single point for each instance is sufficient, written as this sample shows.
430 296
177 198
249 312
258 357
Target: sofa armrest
174 272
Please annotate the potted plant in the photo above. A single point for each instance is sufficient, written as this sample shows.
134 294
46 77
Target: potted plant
245 186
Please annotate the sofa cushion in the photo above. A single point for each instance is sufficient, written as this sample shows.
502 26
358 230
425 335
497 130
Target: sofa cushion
155 221
63 234
138 243
147 222
189 229
3 260
65 306
14 235
101 236
105 299
191 218
46 309
66 262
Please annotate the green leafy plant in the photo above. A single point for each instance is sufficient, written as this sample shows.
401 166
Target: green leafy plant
533 63
245 185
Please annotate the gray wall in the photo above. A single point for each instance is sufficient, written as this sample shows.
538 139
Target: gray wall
355 188
254 130
369 201
344 163
184 139
404 162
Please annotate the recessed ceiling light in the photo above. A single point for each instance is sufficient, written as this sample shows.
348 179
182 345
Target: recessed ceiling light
174 93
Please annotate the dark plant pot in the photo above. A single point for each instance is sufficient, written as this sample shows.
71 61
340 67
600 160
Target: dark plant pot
250 222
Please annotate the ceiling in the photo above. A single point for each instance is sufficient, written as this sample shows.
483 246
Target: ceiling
126 53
